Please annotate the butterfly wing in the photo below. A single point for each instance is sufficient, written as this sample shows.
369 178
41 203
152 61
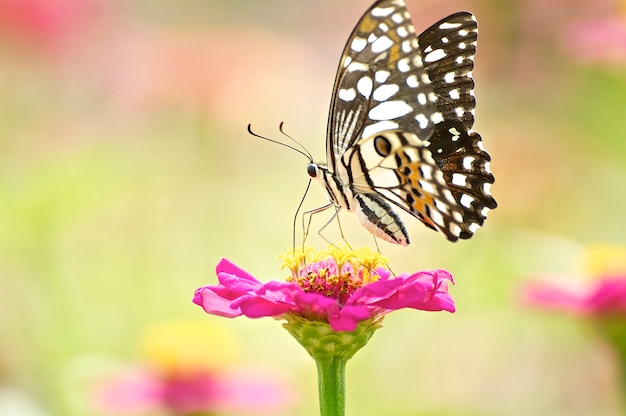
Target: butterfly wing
400 123
398 166
381 83
448 48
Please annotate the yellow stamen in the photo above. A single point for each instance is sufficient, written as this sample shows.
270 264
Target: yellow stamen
362 259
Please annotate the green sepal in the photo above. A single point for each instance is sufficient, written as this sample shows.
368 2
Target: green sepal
324 344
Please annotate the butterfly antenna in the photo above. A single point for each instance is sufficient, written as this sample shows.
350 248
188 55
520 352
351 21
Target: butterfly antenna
307 155
280 128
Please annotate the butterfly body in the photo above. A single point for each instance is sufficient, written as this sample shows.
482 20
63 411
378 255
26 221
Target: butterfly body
372 211
400 132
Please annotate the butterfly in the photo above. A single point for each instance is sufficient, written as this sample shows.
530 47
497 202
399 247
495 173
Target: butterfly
399 131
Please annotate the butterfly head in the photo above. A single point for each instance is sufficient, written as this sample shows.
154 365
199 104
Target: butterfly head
319 172
316 171
335 188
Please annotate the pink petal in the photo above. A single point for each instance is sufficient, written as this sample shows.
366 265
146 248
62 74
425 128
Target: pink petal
133 391
376 291
253 391
214 304
549 296
420 291
208 393
191 393
424 290
382 273
314 304
608 297
226 266
257 306
279 291
440 302
234 282
142 391
347 318
270 299
239 293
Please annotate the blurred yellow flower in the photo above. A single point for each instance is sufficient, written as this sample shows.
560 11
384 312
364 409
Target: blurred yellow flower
187 345
601 260
187 368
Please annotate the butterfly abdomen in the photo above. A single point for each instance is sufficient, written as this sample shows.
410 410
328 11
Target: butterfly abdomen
379 219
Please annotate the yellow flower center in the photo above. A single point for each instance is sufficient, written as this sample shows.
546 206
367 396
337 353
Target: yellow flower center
335 273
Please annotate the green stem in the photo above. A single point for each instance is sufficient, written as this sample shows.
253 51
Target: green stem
613 331
331 382
621 356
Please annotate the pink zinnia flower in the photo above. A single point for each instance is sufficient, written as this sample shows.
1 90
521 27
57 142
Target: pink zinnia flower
140 390
340 287
333 301
601 303
45 23
186 369
605 298
600 40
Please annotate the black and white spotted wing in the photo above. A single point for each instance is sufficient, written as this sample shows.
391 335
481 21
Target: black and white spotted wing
381 83
399 128
448 49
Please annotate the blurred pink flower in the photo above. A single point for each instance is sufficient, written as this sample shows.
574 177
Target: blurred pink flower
597 40
601 303
45 23
341 287
185 369
605 298
204 70
142 389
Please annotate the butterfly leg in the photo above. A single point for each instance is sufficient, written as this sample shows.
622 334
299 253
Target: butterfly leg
335 215
306 225
376 244
379 252
343 237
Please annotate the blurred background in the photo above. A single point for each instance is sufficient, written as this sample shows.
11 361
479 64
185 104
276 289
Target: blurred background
126 173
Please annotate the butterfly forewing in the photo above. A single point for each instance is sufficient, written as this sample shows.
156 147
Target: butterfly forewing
448 48
381 83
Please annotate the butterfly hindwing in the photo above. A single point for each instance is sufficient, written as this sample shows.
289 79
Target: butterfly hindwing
401 169
448 48
466 170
